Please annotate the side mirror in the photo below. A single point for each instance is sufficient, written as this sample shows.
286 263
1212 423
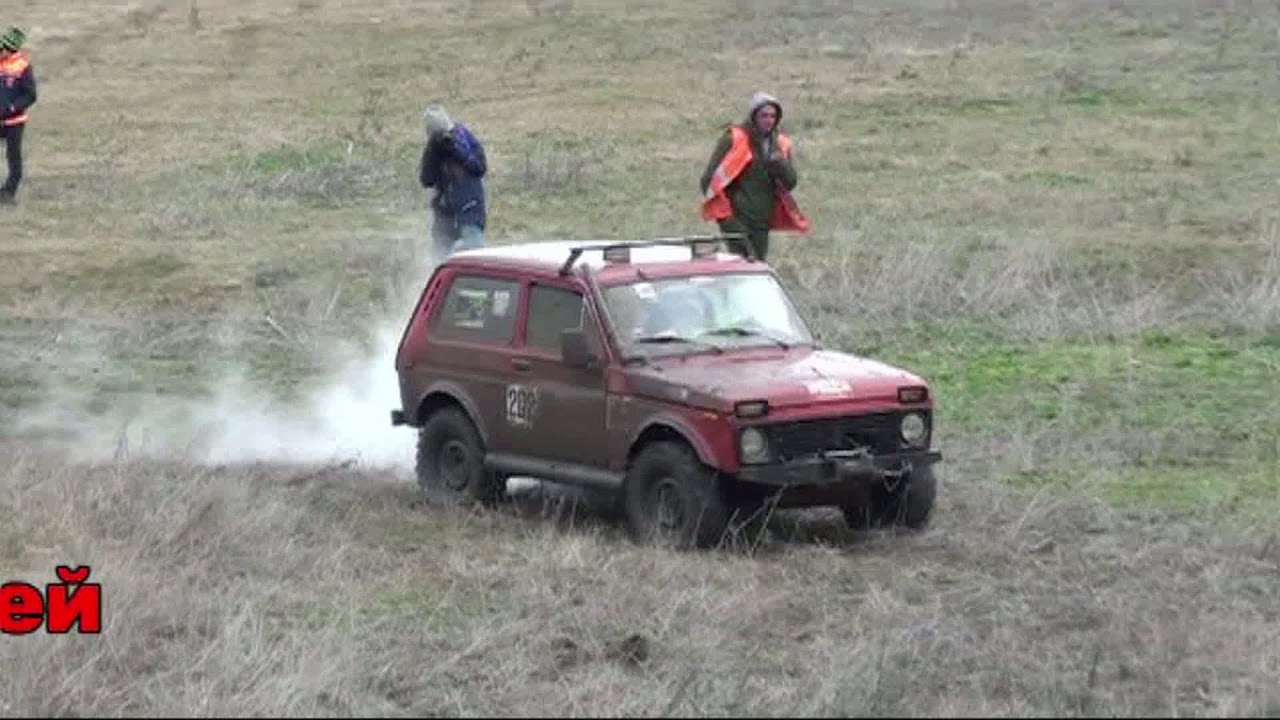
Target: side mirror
574 351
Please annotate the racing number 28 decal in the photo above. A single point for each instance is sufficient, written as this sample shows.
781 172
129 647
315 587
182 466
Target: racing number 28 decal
522 405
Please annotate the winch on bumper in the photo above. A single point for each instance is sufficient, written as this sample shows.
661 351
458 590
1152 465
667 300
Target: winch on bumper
838 470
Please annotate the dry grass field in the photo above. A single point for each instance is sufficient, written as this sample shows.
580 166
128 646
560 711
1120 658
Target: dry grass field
1063 214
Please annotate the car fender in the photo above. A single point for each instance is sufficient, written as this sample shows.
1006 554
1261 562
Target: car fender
456 392
679 426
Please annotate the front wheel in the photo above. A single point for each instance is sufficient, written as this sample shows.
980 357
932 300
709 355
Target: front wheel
450 464
909 505
672 499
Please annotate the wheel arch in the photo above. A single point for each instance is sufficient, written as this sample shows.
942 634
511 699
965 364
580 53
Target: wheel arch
446 394
669 429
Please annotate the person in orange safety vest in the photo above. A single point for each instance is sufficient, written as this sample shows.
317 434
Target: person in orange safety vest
746 187
17 95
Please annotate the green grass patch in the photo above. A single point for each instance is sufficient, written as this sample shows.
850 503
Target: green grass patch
1251 492
287 158
1093 98
130 380
1245 491
129 273
323 174
1054 179
1228 386
1128 101
1186 422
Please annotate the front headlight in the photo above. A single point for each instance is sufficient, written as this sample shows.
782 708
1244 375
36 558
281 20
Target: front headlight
914 429
752 446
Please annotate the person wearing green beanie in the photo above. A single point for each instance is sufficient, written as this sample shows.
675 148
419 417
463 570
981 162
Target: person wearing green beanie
17 95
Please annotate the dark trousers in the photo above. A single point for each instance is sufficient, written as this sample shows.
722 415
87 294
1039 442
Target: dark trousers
759 241
13 151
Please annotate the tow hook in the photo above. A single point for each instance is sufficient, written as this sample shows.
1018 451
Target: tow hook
893 478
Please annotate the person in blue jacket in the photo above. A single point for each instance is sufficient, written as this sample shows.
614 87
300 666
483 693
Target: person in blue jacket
453 162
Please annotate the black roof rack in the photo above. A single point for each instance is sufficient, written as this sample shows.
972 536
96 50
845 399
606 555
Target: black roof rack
688 240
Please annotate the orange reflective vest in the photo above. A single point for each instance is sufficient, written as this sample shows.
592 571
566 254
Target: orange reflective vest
715 203
11 70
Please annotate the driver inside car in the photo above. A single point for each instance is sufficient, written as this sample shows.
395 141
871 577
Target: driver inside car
677 311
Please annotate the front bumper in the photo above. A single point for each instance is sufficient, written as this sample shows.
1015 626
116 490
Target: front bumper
837 469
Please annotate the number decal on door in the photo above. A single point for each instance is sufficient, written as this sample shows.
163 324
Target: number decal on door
522 405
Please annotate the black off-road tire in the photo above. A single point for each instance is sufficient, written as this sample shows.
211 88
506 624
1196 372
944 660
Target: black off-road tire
910 505
694 513
450 462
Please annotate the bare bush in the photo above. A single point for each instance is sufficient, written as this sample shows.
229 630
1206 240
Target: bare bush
1035 286
1247 298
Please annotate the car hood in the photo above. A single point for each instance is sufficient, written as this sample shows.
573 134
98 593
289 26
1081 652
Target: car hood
798 377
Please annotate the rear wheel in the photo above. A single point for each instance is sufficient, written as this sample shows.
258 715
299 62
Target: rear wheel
450 463
672 499
908 505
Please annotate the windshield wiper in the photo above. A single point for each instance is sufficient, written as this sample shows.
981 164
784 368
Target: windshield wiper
665 339
739 331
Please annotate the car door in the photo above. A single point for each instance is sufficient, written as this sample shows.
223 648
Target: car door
470 342
556 412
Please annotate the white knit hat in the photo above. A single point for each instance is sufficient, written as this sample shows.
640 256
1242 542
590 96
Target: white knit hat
437 120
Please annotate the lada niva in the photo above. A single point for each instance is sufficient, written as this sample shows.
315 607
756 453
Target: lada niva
674 374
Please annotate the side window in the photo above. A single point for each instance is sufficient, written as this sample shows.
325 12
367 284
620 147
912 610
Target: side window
552 310
479 309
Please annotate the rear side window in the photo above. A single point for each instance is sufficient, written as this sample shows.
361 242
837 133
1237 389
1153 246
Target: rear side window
551 310
479 309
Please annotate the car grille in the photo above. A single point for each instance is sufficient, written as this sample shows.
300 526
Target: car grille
806 438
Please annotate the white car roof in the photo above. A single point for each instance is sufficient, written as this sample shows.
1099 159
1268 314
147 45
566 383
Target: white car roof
556 252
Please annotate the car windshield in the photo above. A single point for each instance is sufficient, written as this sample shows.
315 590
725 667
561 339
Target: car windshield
716 312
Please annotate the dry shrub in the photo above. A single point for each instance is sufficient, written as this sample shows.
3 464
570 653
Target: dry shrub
330 591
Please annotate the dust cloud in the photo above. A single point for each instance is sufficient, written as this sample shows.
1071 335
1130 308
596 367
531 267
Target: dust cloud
345 419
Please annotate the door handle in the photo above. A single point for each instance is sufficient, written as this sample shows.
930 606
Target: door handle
520 364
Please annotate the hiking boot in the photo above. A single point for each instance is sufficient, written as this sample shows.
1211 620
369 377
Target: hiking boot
7 197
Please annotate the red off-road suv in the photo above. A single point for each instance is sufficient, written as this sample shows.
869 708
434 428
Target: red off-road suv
670 372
